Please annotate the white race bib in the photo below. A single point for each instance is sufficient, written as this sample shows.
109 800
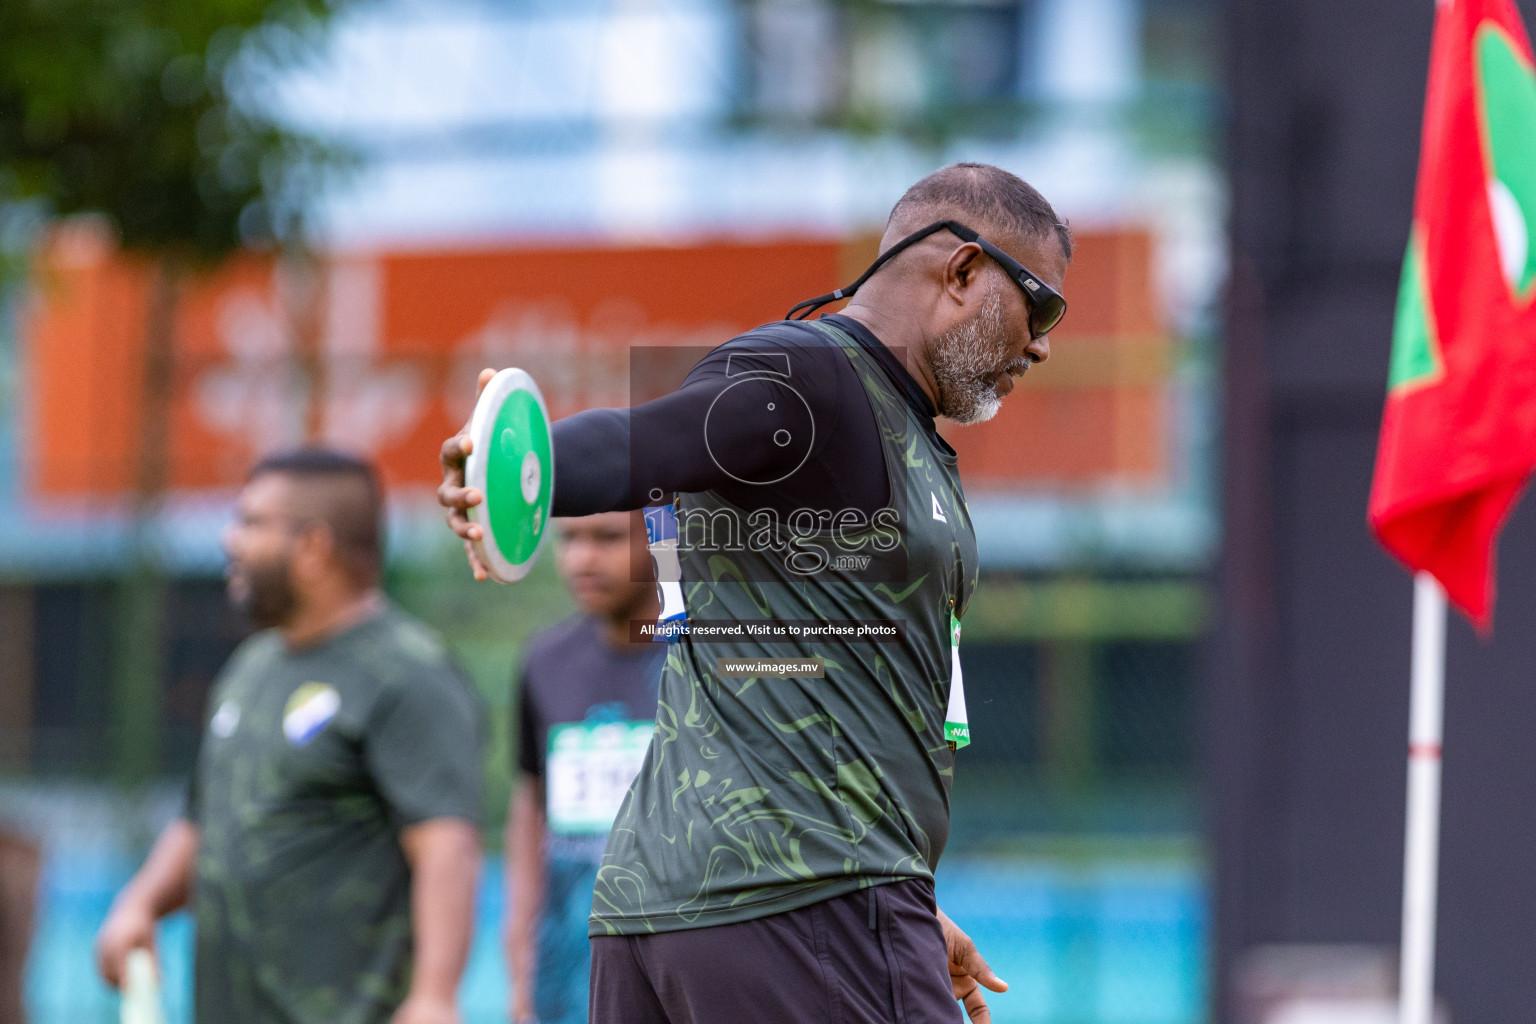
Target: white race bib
588 772
957 723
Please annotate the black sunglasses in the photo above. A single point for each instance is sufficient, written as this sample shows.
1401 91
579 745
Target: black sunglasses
1046 306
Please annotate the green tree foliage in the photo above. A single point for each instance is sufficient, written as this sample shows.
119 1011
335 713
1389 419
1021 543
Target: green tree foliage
150 112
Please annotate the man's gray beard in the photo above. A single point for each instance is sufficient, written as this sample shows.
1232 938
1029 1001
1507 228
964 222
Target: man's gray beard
965 357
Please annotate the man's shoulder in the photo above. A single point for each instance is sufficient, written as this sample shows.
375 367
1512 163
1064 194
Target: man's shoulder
784 348
399 649
780 336
408 637
570 665
783 336
256 651
790 333
557 642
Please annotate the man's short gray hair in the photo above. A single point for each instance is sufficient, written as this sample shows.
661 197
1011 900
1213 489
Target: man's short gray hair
987 193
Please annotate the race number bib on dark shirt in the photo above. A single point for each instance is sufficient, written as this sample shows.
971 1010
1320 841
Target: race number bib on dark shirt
588 770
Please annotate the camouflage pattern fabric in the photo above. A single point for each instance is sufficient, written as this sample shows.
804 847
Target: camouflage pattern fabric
763 795
572 674
312 763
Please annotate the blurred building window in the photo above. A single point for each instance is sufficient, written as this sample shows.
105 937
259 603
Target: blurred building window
934 55
1085 52
964 67
72 645
1002 682
1133 700
72 712
202 631
794 66
1146 708
880 63
1180 41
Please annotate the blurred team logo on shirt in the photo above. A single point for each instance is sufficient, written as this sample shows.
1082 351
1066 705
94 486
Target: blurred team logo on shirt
224 720
309 708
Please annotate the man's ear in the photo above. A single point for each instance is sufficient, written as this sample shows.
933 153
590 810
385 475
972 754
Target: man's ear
961 268
314 550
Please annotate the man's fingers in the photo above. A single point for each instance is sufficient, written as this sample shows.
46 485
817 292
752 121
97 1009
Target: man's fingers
462 525
475 565
112 959
108 967
977 967
970 994
457 500
976 1007
990 980
451 457
453 495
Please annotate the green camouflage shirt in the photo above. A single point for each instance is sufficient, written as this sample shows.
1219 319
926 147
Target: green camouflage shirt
762 795
313 761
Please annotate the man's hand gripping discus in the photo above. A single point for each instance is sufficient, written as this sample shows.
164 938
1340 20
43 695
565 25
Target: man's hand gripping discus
507 473
498 488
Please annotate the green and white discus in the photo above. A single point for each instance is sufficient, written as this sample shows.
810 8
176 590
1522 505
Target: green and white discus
512 465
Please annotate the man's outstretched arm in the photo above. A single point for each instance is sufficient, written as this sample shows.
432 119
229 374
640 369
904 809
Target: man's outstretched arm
444 855
729 407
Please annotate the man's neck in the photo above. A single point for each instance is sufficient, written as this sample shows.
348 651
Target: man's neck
902 339
311 625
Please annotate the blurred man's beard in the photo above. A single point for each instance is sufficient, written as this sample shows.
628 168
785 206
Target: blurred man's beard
966 361
269 598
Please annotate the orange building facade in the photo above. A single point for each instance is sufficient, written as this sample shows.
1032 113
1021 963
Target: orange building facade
376 352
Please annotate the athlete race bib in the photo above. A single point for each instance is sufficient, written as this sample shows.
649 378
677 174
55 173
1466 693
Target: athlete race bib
588 771
957 726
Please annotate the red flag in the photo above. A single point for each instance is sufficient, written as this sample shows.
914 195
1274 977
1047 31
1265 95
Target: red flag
1458 436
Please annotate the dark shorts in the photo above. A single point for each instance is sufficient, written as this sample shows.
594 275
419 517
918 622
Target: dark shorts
872 957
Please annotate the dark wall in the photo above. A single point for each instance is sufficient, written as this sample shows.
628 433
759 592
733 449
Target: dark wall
1308 688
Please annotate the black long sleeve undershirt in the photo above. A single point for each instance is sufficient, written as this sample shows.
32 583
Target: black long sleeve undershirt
774 419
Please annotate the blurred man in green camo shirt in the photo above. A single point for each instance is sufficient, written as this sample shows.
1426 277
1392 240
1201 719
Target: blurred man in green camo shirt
329 845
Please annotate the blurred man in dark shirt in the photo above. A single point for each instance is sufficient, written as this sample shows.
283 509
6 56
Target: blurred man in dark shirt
586 710
329 846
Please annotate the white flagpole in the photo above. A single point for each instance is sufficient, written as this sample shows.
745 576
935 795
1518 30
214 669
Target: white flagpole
1421 856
